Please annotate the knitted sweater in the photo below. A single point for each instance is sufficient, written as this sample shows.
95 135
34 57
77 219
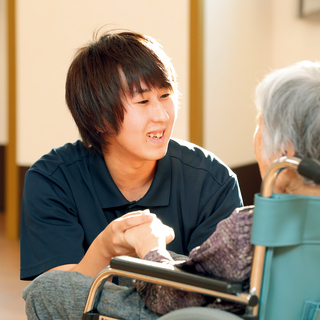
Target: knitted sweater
227 253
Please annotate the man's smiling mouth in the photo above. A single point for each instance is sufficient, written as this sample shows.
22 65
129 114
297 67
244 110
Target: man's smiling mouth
158 135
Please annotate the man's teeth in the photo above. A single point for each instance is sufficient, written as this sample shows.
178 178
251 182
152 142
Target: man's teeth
155 136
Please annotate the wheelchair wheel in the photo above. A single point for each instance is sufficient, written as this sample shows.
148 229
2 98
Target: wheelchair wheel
199 313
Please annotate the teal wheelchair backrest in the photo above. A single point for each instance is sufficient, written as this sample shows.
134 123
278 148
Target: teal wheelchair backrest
289 227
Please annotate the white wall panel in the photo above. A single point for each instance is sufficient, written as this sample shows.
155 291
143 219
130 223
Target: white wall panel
48 32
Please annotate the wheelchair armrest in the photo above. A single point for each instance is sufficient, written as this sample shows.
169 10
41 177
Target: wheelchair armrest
167 275
158 273
171 273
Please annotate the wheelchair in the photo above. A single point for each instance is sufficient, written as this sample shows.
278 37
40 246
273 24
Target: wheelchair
285 276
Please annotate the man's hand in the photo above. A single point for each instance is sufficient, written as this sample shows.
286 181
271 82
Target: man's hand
114 240
148 236
110 243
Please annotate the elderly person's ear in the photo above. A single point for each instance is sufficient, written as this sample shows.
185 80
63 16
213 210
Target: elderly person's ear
290 151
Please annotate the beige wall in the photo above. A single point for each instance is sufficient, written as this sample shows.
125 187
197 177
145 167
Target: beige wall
243 41
238 47
48 32
294 38
3 73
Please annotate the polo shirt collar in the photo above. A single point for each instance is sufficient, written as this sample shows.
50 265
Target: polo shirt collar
110 196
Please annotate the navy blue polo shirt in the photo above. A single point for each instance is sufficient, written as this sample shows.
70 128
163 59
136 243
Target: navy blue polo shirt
69 198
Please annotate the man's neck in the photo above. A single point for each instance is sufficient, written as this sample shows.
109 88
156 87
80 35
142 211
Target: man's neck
133 180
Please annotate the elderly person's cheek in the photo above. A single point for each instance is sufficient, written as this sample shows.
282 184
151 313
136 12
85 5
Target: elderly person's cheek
257 142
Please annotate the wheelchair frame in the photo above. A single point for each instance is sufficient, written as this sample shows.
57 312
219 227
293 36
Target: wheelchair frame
158 273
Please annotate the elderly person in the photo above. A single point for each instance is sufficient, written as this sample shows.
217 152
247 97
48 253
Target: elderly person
288 102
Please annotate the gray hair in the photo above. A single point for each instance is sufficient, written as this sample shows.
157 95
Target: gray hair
289 101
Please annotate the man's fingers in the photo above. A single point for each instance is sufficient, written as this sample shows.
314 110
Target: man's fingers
135 213
134 219
170 235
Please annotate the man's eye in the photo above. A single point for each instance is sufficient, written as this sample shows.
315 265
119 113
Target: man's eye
143 101
166 95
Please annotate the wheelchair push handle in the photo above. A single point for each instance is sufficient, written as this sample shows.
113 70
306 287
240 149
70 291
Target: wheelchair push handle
310 168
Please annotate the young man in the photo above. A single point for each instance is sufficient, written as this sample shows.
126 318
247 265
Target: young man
80 199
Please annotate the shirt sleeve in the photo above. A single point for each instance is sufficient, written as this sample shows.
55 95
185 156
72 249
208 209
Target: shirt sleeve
50 231
226 253
214 208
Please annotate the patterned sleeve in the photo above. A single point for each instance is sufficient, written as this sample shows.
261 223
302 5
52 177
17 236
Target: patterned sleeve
226 253
162 299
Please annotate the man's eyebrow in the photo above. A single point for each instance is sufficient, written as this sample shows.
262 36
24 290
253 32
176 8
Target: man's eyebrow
141 91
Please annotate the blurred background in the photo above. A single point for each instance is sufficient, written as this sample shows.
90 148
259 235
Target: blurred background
220 49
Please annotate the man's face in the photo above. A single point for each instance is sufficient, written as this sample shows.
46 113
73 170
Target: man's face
147 125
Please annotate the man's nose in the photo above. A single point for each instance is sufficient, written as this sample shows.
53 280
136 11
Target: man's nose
159 112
